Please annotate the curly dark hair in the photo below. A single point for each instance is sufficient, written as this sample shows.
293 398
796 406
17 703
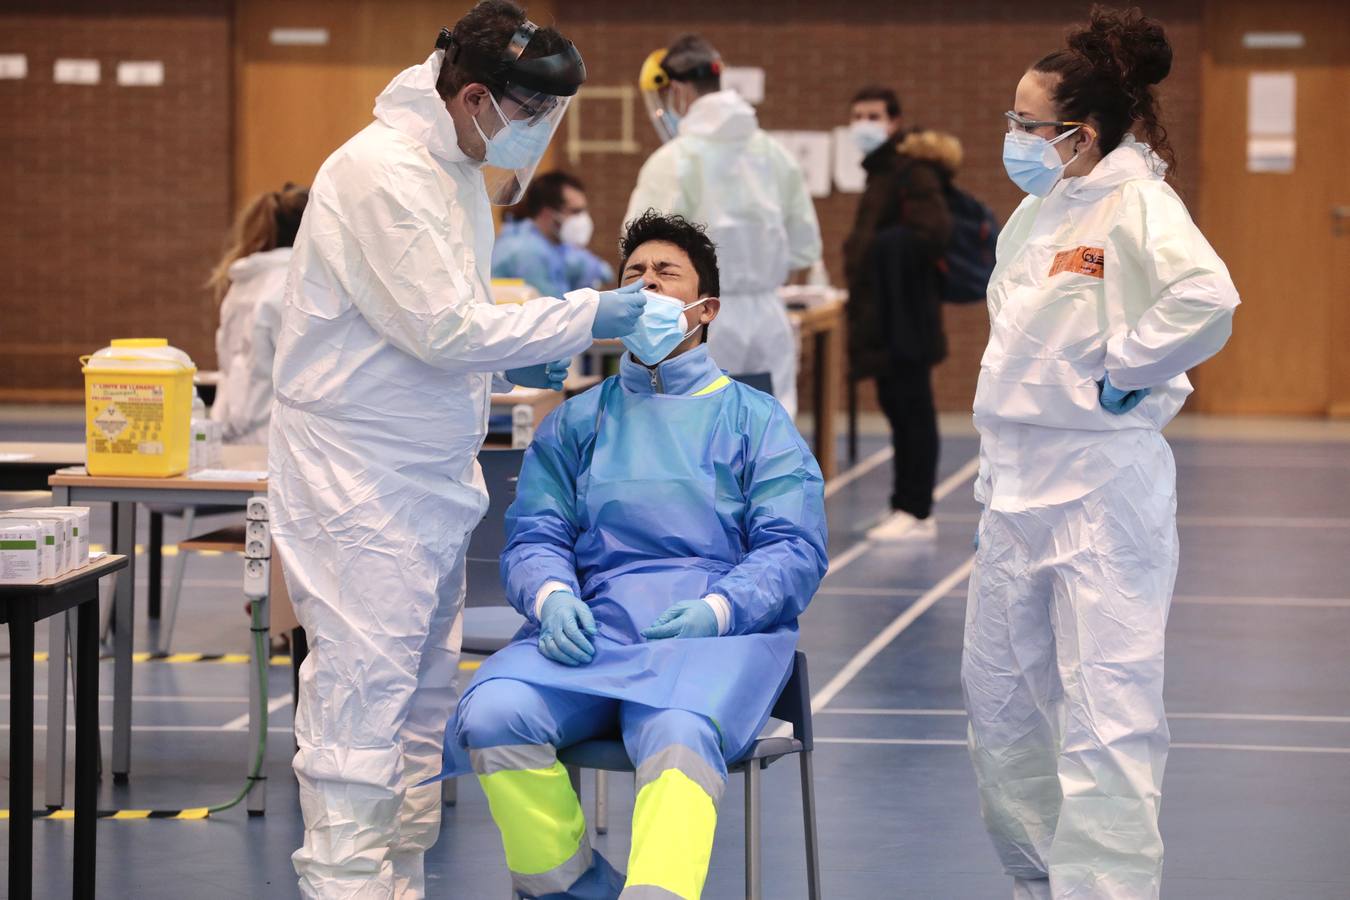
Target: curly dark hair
690 237
1107 72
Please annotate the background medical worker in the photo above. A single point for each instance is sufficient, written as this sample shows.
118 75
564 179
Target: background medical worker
250 281
1104 294
388 347
719 168
545 243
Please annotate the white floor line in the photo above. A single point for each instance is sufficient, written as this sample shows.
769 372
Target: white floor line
839 482
956 479
149 698
1262 522
847 558
240 723
164 729
889 634
1312 602
1211 716
893 593
948 484
1179 745
1212 521
907 593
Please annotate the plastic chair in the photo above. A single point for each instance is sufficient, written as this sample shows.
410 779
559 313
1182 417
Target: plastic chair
793 706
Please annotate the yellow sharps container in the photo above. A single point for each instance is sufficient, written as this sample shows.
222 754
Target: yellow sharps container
138 409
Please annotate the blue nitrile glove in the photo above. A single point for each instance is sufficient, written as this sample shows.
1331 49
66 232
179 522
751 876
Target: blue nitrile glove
619 311
549 376
1119 402
564 623
686 619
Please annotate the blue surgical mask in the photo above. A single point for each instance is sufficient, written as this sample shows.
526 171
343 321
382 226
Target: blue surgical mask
517 144
1032 162
662 328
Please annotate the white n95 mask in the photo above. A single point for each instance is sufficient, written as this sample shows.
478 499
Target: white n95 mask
663 326
576 230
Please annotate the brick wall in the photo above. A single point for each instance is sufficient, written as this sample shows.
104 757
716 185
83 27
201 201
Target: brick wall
115 199
955 66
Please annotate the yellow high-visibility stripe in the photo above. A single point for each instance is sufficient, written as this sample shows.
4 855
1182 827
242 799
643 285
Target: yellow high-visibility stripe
714 387
200 812
673 824
131 814
538 814
61 814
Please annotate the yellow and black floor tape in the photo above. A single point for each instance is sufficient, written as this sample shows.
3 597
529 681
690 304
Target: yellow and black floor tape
57 815
147 657
221 658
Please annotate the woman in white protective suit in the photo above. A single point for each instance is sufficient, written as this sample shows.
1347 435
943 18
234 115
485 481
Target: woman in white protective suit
249 281
1104 294
388 348
718 168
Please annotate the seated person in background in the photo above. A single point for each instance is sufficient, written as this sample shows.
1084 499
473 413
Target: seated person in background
249 283
545 241
668 531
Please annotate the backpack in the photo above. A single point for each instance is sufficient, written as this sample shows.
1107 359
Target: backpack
969 262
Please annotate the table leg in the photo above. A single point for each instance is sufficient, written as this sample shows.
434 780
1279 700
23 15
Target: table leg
818 394
124 544
257 681
21 752
155 550
58 628
86 744
852 422
54 794
826 386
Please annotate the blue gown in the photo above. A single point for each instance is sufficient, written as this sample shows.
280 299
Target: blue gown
522 251
647 490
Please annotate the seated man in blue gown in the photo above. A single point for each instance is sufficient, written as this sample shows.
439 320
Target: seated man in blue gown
668 531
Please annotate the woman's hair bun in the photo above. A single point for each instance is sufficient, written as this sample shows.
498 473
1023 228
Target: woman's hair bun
1128 42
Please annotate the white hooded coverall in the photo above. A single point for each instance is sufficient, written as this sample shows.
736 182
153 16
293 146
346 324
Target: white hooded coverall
246 344
1063 663
722 171
388 346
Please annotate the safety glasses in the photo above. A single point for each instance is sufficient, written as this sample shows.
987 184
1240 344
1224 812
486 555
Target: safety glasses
1018 123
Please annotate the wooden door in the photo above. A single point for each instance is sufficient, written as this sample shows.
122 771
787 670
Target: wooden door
1276 231
297 104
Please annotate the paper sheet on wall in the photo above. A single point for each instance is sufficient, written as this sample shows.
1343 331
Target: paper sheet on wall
849 175
1271 120
812 152
748 81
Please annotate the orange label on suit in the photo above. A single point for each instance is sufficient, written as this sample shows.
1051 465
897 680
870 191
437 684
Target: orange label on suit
1080 261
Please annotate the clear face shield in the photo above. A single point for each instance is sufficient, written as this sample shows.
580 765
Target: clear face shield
657 83
527 99
517 129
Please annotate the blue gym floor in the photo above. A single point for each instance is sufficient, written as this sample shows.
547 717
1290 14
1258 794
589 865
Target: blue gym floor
1257 796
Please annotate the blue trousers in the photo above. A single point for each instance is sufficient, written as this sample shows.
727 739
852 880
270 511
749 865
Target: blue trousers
513 729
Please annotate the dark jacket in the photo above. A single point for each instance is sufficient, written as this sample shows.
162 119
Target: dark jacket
905 190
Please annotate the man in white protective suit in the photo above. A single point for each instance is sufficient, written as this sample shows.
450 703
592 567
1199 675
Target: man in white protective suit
720 169
388 349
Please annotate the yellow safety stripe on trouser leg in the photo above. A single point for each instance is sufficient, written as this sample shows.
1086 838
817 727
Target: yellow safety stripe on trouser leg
542 824
673 823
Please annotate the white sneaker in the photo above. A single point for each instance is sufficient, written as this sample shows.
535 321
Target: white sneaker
901 526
